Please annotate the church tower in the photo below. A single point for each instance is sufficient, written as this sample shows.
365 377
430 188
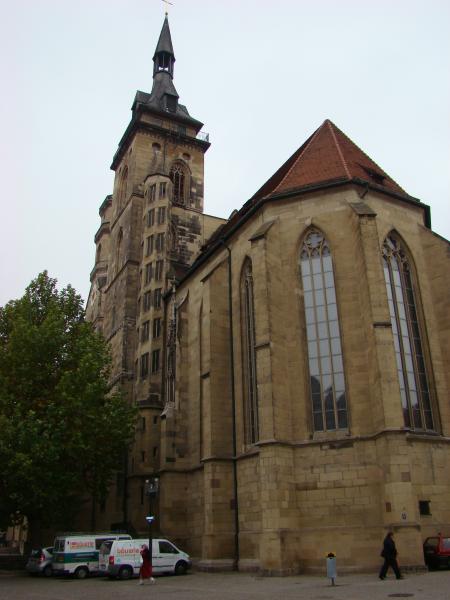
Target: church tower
152 226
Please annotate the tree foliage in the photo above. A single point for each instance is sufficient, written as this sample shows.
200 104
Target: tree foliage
62 432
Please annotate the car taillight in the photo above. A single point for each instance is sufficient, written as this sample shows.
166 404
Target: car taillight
111 560
41 558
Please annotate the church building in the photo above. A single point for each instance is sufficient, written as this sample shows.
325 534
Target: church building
289 363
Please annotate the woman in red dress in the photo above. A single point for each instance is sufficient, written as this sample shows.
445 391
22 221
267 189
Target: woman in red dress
145 571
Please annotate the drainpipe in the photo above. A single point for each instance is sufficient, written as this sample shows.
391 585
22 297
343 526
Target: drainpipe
233 410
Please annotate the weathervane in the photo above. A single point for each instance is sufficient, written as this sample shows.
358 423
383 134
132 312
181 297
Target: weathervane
167 2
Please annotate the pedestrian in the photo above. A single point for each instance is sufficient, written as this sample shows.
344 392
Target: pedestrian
145 572
389 553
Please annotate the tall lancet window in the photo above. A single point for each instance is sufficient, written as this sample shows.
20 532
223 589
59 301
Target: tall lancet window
326 369
178 178
251 425
403 304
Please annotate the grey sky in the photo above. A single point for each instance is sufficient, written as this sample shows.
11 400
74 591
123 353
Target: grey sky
262 76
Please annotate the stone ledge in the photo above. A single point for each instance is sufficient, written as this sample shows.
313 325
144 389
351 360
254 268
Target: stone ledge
216 565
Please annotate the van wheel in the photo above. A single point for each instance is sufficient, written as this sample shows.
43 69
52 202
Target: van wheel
81 573
126 573
181 568
48 571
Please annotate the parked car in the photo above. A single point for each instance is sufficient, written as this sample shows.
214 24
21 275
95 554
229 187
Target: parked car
436 551
40 562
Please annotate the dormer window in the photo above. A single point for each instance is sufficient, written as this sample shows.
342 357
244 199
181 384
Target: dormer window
171 103
375 176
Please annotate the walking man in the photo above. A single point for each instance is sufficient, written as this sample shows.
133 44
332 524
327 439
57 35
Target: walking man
389 553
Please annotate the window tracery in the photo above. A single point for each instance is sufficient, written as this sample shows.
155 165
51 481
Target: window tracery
326 369
403 305
179 178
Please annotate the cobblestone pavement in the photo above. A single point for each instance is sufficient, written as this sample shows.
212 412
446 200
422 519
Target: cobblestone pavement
228 586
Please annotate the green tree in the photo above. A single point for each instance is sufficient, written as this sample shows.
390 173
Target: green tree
63 433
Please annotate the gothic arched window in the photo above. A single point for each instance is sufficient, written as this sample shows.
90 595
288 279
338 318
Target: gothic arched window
123 187
251 425
119 249
179 180
403 307
326 369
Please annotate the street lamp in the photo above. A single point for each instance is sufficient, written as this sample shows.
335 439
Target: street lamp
151 490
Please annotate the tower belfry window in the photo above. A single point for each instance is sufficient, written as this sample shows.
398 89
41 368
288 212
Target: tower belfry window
164 62
178 178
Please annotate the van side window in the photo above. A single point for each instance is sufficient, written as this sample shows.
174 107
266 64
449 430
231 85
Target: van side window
166 548
446 544
99 542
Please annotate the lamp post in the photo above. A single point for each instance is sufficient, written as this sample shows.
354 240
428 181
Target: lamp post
151 490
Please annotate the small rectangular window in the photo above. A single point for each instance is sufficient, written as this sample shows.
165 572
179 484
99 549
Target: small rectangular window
162 189
155 420
147 300
143 456
148 272
155 361
144 365
155 450
161 215
424 507
159 270
151 217
149 245
160 242
152 193
142 423
157 298
156 327
145 332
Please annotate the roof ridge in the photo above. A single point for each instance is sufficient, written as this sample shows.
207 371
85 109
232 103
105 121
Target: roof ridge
331 127
308 145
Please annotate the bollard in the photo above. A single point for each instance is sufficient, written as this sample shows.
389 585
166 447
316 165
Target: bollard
331 567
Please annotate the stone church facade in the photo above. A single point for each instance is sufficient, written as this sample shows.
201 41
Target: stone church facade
289 363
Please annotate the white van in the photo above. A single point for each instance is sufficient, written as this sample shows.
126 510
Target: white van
77 553
122 558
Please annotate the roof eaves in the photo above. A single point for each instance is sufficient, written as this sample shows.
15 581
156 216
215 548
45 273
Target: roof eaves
229 228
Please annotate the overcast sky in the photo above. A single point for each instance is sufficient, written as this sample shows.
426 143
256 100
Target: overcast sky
261 74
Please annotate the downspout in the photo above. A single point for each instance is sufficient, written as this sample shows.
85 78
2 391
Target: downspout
233 410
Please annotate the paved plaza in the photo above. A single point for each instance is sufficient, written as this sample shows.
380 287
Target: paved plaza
229 586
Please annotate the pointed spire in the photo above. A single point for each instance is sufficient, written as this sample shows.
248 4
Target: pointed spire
164 57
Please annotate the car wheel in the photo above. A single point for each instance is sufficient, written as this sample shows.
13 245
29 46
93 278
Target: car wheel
126 573
181 568
48 571
81 573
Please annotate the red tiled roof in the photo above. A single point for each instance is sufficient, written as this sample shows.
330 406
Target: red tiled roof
328 155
